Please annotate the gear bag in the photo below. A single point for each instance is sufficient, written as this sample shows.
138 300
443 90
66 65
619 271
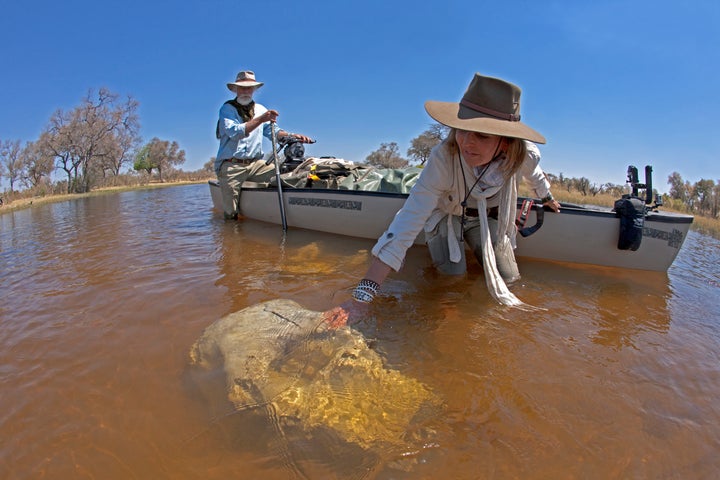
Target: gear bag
631 211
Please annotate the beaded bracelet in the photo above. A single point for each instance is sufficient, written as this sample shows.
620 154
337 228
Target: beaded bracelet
365 291
362 297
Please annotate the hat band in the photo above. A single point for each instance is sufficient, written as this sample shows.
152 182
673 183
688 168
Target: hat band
488 111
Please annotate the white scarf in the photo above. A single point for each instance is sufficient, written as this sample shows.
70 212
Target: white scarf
506 229
505 234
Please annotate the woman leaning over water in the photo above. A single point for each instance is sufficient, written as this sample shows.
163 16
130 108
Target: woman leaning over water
467 192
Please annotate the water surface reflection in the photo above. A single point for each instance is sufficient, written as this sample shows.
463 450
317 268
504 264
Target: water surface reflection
102 298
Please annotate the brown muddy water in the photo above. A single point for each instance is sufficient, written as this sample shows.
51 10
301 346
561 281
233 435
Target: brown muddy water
103 297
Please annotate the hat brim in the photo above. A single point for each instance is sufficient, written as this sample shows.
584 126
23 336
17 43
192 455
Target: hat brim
454 115
244 84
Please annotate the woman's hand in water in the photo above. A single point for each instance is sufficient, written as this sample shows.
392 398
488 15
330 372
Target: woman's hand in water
347 313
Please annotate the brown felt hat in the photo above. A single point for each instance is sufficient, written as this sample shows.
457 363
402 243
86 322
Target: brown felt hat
246 78
490 105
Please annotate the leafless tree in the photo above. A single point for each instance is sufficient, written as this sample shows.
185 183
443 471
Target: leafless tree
10 163
99 132
37 164
209 166
122 144
57 139
582 185
613 189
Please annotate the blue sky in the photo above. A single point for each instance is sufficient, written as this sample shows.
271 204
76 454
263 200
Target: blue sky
609 83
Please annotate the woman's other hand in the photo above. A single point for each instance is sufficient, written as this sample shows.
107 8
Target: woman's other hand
553 204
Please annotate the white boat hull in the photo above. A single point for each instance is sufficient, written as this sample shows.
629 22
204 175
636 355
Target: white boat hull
578 234
590 235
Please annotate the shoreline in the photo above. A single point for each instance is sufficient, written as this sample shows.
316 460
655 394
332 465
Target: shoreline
30 202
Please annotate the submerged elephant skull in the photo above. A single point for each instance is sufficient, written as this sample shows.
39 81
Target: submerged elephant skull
278 353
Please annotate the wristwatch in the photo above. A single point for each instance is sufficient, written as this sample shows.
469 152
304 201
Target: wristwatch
547 198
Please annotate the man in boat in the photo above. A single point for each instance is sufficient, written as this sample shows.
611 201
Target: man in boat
240 130
467 192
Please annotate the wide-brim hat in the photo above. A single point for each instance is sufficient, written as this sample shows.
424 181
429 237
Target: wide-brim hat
246 78
490 105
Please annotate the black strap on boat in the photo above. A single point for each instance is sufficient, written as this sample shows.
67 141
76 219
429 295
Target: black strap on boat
539 213
522 215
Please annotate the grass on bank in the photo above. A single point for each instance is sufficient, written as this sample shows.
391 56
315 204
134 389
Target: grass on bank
31 201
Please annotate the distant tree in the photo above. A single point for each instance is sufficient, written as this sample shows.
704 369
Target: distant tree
142 160
122 143
58 140
82 139
678 190
10 163
613 189
37 164
582 185
421 145
160 155
691 199
704 193
438 130
387 156
209 166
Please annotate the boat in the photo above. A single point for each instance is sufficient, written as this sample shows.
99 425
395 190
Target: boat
645 239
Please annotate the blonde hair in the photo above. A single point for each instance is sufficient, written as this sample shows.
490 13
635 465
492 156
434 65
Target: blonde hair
515 153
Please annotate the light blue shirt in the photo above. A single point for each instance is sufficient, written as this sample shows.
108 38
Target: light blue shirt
234 141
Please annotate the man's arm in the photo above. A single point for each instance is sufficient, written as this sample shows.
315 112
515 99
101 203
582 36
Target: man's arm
253 123
299 136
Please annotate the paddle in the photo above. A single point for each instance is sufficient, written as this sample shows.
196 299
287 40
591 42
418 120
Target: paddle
277 177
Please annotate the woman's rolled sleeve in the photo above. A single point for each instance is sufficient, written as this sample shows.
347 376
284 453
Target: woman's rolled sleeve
390 253
392 246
